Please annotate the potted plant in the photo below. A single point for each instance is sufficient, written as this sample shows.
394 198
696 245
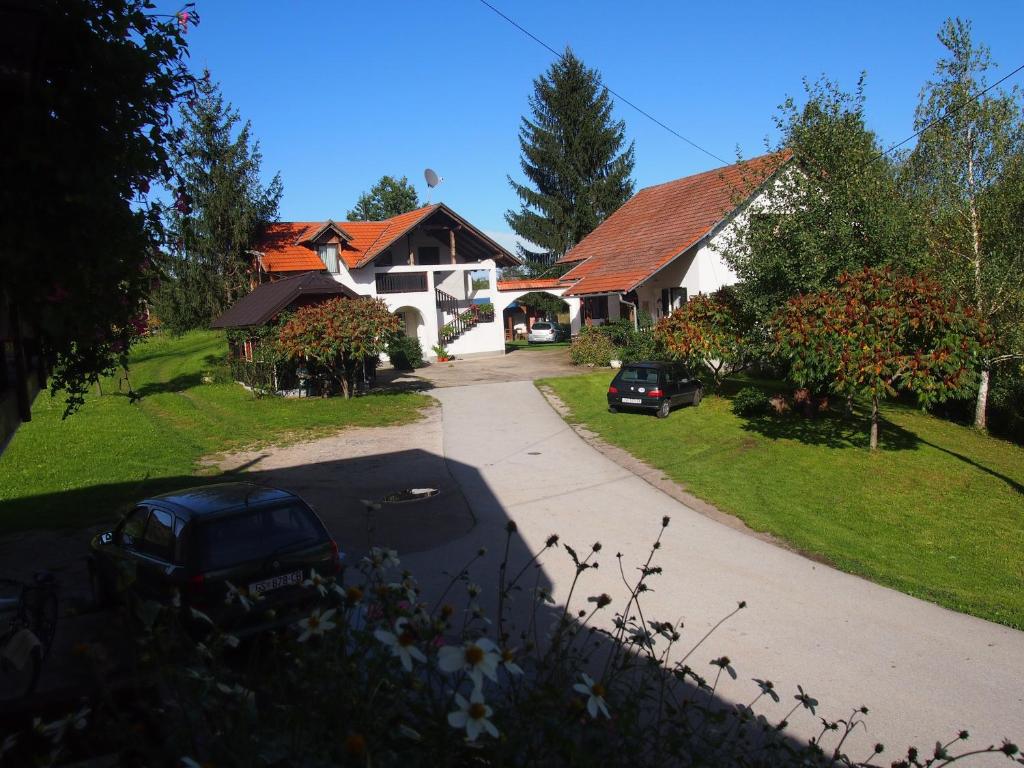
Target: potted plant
442 353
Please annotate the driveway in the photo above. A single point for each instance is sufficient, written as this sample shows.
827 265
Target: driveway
521 365
924 672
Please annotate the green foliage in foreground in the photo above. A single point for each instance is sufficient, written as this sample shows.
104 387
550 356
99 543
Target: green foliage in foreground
79 471
937 513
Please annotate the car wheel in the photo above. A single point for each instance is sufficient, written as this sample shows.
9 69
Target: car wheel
664 409
612 409
698 395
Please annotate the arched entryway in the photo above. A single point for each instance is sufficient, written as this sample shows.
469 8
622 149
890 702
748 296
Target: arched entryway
412 324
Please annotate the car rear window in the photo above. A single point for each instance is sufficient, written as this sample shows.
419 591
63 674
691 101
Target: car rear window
542 326
639 375
255 534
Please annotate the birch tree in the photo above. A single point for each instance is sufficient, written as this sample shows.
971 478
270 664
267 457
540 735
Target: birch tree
966 166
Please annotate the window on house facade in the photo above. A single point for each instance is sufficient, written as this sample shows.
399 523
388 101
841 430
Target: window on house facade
329 256
672 299
595 307
428 254
385 260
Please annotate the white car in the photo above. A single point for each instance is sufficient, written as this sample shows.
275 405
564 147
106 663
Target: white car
544 332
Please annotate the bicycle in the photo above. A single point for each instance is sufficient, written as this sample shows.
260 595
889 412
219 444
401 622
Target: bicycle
28 622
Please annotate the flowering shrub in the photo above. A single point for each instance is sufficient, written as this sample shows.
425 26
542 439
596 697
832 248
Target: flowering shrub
592 347
377 675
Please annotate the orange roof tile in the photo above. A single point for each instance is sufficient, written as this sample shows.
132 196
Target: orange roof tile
658 224
539 284
282 252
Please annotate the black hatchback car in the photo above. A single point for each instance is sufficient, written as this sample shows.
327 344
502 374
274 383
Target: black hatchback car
238 552
653 386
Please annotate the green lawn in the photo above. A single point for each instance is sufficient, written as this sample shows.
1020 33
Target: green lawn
521 344
938 512
85 468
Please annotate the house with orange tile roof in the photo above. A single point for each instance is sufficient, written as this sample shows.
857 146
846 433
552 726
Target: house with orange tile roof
426 264
663 245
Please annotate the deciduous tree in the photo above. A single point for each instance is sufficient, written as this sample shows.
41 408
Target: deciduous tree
220 209
709 333
877 332
388 197
967 168
835 207
339 334
87 131
573 156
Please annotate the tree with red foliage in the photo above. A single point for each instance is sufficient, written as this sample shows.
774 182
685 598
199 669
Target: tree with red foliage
708 332
879 332
339 334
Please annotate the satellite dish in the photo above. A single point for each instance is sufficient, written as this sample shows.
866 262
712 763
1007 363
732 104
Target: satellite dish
432 180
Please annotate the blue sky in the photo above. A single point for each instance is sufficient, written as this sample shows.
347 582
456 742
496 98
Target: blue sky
340 93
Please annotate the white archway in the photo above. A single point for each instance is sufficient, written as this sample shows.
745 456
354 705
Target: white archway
508 295
413 325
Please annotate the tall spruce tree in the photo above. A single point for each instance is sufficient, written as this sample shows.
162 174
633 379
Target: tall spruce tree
220 209
572 155
388 197
966 166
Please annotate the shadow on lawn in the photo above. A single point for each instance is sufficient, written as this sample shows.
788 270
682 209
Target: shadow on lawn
832 430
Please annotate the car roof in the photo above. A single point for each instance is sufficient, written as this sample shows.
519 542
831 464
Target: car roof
207 500
647 364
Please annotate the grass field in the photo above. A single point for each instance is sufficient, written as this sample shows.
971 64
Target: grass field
938 512
522 344
81 470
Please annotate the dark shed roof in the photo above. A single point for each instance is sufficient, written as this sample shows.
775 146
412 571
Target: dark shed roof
270 298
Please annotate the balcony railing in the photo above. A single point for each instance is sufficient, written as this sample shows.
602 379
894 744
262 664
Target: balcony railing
401 282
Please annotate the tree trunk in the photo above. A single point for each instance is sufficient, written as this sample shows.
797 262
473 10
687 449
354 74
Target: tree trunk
981 404
980 418
874 422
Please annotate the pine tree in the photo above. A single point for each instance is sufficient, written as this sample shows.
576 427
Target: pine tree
964 166
571 154
220 209
388 197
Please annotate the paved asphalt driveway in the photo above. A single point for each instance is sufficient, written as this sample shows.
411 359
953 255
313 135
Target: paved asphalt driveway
924 672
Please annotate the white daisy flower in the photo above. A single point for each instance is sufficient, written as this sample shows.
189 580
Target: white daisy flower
595 693
316 624
476 657
316 580
402 644
508 656
472 715
381 558
241 595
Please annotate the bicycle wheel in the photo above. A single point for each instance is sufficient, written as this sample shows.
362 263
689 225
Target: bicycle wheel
18 676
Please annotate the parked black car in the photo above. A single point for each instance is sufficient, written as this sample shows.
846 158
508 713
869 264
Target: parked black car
653 386
238 552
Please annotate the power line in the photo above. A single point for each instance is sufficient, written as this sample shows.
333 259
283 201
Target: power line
949 113
618 96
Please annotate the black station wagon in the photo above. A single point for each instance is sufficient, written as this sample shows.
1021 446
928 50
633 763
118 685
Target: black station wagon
653 386
238 552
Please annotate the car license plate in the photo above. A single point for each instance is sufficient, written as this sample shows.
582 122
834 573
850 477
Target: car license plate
632 400
275 582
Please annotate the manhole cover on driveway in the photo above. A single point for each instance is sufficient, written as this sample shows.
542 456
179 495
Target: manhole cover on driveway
409 494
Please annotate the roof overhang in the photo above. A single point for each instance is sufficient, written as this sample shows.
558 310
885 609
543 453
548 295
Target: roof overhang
328 227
